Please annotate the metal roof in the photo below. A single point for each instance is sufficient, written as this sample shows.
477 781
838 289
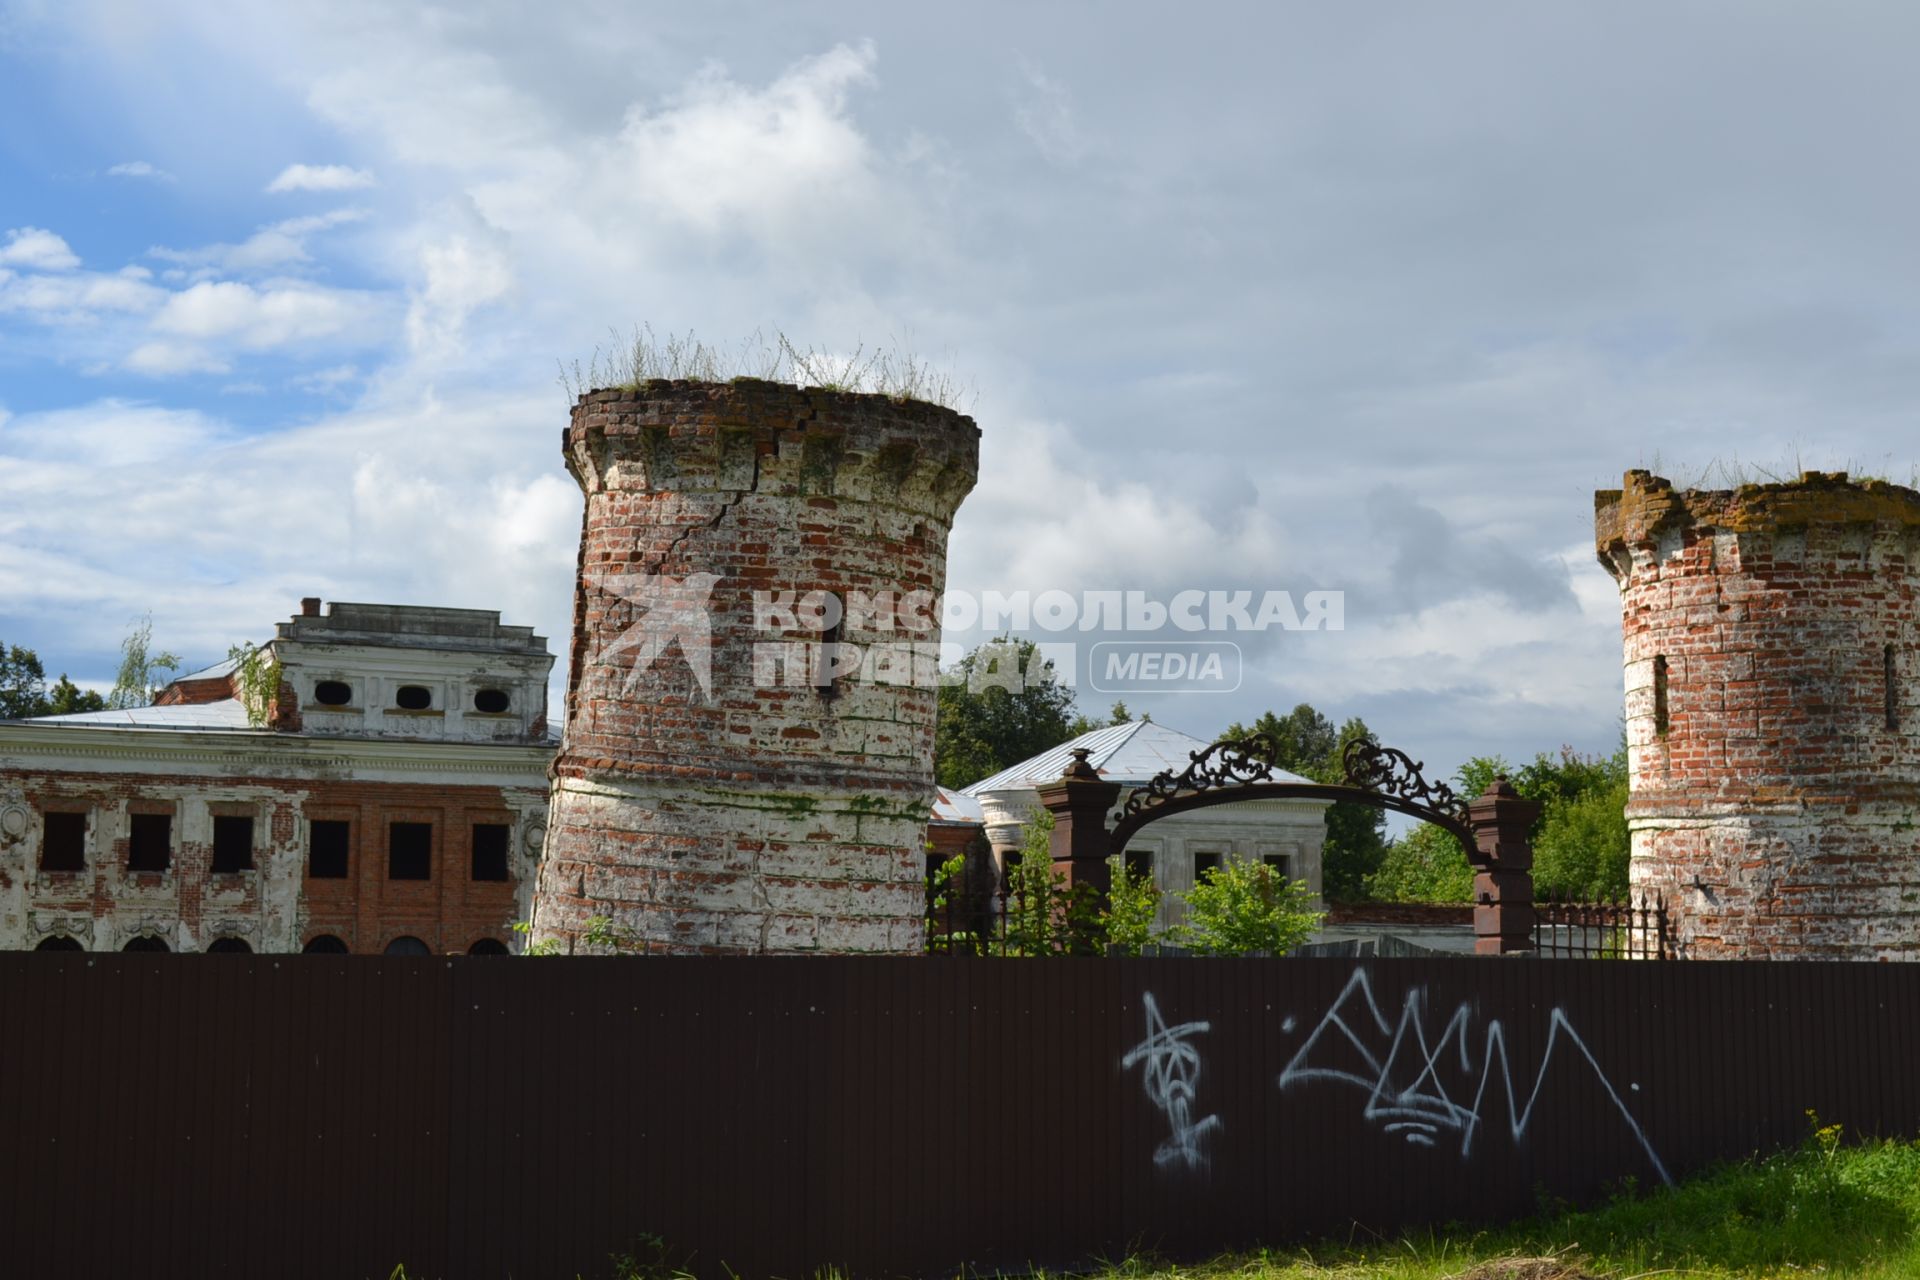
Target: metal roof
227 713
956 808
1128 753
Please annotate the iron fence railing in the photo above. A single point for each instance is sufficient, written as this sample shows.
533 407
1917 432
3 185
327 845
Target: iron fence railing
1628 929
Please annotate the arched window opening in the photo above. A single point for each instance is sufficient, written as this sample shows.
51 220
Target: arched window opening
324 944
59 942
229 947
146 943
407 945
488 947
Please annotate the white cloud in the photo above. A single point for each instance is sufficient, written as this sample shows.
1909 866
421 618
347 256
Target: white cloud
462 274
1044 111
272 316
78 297
140 169
320 177
168 359
325 380
37 249
277 245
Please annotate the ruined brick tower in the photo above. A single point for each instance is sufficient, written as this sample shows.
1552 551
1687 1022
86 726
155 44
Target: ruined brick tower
1772 737
743 770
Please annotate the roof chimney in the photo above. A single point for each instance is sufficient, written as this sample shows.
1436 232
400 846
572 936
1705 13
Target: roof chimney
310 606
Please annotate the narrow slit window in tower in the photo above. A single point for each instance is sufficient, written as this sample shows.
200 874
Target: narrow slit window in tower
1892 688
1660 695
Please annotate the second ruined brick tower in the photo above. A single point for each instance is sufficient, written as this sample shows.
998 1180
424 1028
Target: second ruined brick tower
743 770
1772 733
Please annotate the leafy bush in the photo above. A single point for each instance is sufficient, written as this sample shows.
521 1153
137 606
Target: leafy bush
1424 865
1580 849
1245 908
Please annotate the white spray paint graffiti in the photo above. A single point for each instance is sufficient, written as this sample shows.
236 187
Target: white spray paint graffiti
1421 1108
1172 1066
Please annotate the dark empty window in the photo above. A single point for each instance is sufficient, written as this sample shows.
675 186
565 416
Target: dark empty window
410 851
412 697
63 842
229 947
1660 694
59 942
1139 862
492 701
1278 861
1891 688
408 946
325 944
146 944
150 842
489 851
1203 863
327 843
488 947
333 693
232 844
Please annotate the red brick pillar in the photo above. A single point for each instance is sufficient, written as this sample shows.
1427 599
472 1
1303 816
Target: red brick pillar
1080 800
1503 869
742 772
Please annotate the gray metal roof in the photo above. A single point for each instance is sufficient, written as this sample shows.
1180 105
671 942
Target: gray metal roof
1128 753
957 809
227 713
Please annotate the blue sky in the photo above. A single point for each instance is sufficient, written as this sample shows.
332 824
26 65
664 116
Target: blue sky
1274 296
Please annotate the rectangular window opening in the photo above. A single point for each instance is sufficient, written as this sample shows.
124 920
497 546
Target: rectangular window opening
150 842
490 851
1203 863
63 842
1139 862
410 851
1660 694
1279 862
1892 685
327 844
232 844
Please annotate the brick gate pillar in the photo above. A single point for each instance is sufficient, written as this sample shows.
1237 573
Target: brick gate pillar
1080 800
1503 869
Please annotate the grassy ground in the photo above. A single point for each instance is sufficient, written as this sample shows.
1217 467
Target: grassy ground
1824 1209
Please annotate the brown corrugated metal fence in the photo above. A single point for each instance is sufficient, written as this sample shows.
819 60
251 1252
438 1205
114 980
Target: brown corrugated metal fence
311 1116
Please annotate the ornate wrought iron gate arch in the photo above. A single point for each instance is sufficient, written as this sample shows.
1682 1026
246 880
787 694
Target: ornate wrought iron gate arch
1493 826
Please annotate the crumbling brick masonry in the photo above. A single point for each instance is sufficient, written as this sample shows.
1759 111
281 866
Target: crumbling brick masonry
718 789
1771 731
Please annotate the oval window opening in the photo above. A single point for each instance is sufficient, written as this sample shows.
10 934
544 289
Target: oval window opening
412 697
333 693
492 701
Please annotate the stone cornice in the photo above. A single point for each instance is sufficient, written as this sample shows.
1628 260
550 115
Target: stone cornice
32 748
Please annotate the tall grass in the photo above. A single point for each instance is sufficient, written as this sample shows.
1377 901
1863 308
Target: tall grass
642 356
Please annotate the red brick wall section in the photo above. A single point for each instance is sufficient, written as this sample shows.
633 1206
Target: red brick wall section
751 819
274 907
1773 805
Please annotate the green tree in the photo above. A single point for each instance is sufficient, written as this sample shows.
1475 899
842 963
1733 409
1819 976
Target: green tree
1244 908
24 693
1117 716
1132 903
23 683
999 706
68 698
1580 845
135 686
1309 745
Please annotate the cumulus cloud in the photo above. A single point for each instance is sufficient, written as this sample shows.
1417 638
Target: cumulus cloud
461 274
140 169
320 177
38 250
78 297
277 245
271 316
